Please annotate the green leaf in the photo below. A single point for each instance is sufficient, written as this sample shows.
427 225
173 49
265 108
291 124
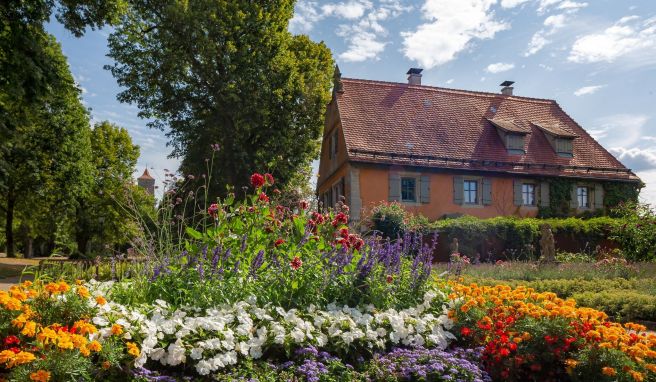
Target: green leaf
193 233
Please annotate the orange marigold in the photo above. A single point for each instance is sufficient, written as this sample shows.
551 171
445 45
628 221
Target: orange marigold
609 371
40 376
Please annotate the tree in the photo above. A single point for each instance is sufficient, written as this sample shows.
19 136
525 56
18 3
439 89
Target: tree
38 101
226 72
46 158
103 214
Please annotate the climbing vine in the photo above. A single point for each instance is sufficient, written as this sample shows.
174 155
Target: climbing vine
617 193
559 198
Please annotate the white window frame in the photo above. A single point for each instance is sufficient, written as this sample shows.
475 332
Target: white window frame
580 195
415 191
531 194
465 192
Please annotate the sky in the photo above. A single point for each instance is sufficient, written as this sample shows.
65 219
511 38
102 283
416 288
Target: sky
597 58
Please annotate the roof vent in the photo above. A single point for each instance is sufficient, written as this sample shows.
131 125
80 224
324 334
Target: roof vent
507 88
414 76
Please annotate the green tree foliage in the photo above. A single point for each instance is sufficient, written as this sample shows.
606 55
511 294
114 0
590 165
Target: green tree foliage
104 214
226 72
46 158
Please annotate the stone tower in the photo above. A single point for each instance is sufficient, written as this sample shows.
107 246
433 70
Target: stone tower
147 182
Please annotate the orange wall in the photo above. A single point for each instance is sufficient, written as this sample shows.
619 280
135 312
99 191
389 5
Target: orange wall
328 166
374 189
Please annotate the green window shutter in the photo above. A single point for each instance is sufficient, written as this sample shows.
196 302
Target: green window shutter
598 196
517 192
573 201
394 187
458 192
424 191
487 191
544 194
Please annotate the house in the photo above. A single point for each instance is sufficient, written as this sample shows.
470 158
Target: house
444 152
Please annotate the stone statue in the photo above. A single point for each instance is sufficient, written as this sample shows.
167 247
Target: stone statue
454 246
547 245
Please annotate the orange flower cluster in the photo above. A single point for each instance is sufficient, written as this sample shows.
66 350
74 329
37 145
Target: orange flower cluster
501 318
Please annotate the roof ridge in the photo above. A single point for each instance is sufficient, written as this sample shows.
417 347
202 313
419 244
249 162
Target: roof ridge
451 90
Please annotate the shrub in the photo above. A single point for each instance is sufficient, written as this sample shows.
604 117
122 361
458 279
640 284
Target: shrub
622 304
637 233
389 219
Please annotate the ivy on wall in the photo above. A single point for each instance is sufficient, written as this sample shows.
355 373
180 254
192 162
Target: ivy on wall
560 191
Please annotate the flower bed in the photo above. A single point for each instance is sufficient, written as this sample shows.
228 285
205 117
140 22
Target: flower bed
538 336
260 291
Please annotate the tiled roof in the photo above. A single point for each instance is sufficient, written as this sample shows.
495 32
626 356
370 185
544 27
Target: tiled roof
398 123
145 175
508 126
555 130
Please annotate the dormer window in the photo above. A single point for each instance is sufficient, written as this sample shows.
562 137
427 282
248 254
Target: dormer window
561 140
512 135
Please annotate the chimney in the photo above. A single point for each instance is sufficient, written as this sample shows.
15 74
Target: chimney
507 88
414 76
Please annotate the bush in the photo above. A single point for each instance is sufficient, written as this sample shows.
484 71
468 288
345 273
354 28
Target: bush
389 219
621 304
637 234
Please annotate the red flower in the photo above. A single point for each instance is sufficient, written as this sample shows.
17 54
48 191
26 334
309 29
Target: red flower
465 331
344 233
11 340
504 352
340 218
303 204
15 350
296 263
317 217
213 210
257 180
263 197
536 367
389 279
278 242
344 242
269 179
359 243
512 346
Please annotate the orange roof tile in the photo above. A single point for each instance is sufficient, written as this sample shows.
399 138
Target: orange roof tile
399 123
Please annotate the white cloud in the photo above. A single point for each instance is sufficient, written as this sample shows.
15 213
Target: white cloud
648 194
629 37
546 67
555 21
351 10
499 67
619 130
306 15
451 26
588 90
366 38
539 40
635 158
512 3
449 81
571 5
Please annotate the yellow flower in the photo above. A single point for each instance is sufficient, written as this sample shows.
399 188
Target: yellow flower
21 358
85 351
47 335
117 329
85 327
29 329
133 350
40 376
638 377
83 292
6 356
100 300
95 346
63 287
609 371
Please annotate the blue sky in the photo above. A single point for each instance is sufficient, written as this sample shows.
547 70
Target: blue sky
596 58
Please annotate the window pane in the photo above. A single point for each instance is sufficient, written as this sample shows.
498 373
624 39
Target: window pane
582 197
528 194
471 191
408 189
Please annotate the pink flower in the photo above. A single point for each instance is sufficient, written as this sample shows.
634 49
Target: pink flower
269 179
296 263
340 218
303 204
263 197
257 180
213 210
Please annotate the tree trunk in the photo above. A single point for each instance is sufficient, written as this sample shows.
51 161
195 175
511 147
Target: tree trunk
9 223
82 236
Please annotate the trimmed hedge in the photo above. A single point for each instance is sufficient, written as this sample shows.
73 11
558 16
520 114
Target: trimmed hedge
519 237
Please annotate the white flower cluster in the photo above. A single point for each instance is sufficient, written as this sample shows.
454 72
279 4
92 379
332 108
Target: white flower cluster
215 338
